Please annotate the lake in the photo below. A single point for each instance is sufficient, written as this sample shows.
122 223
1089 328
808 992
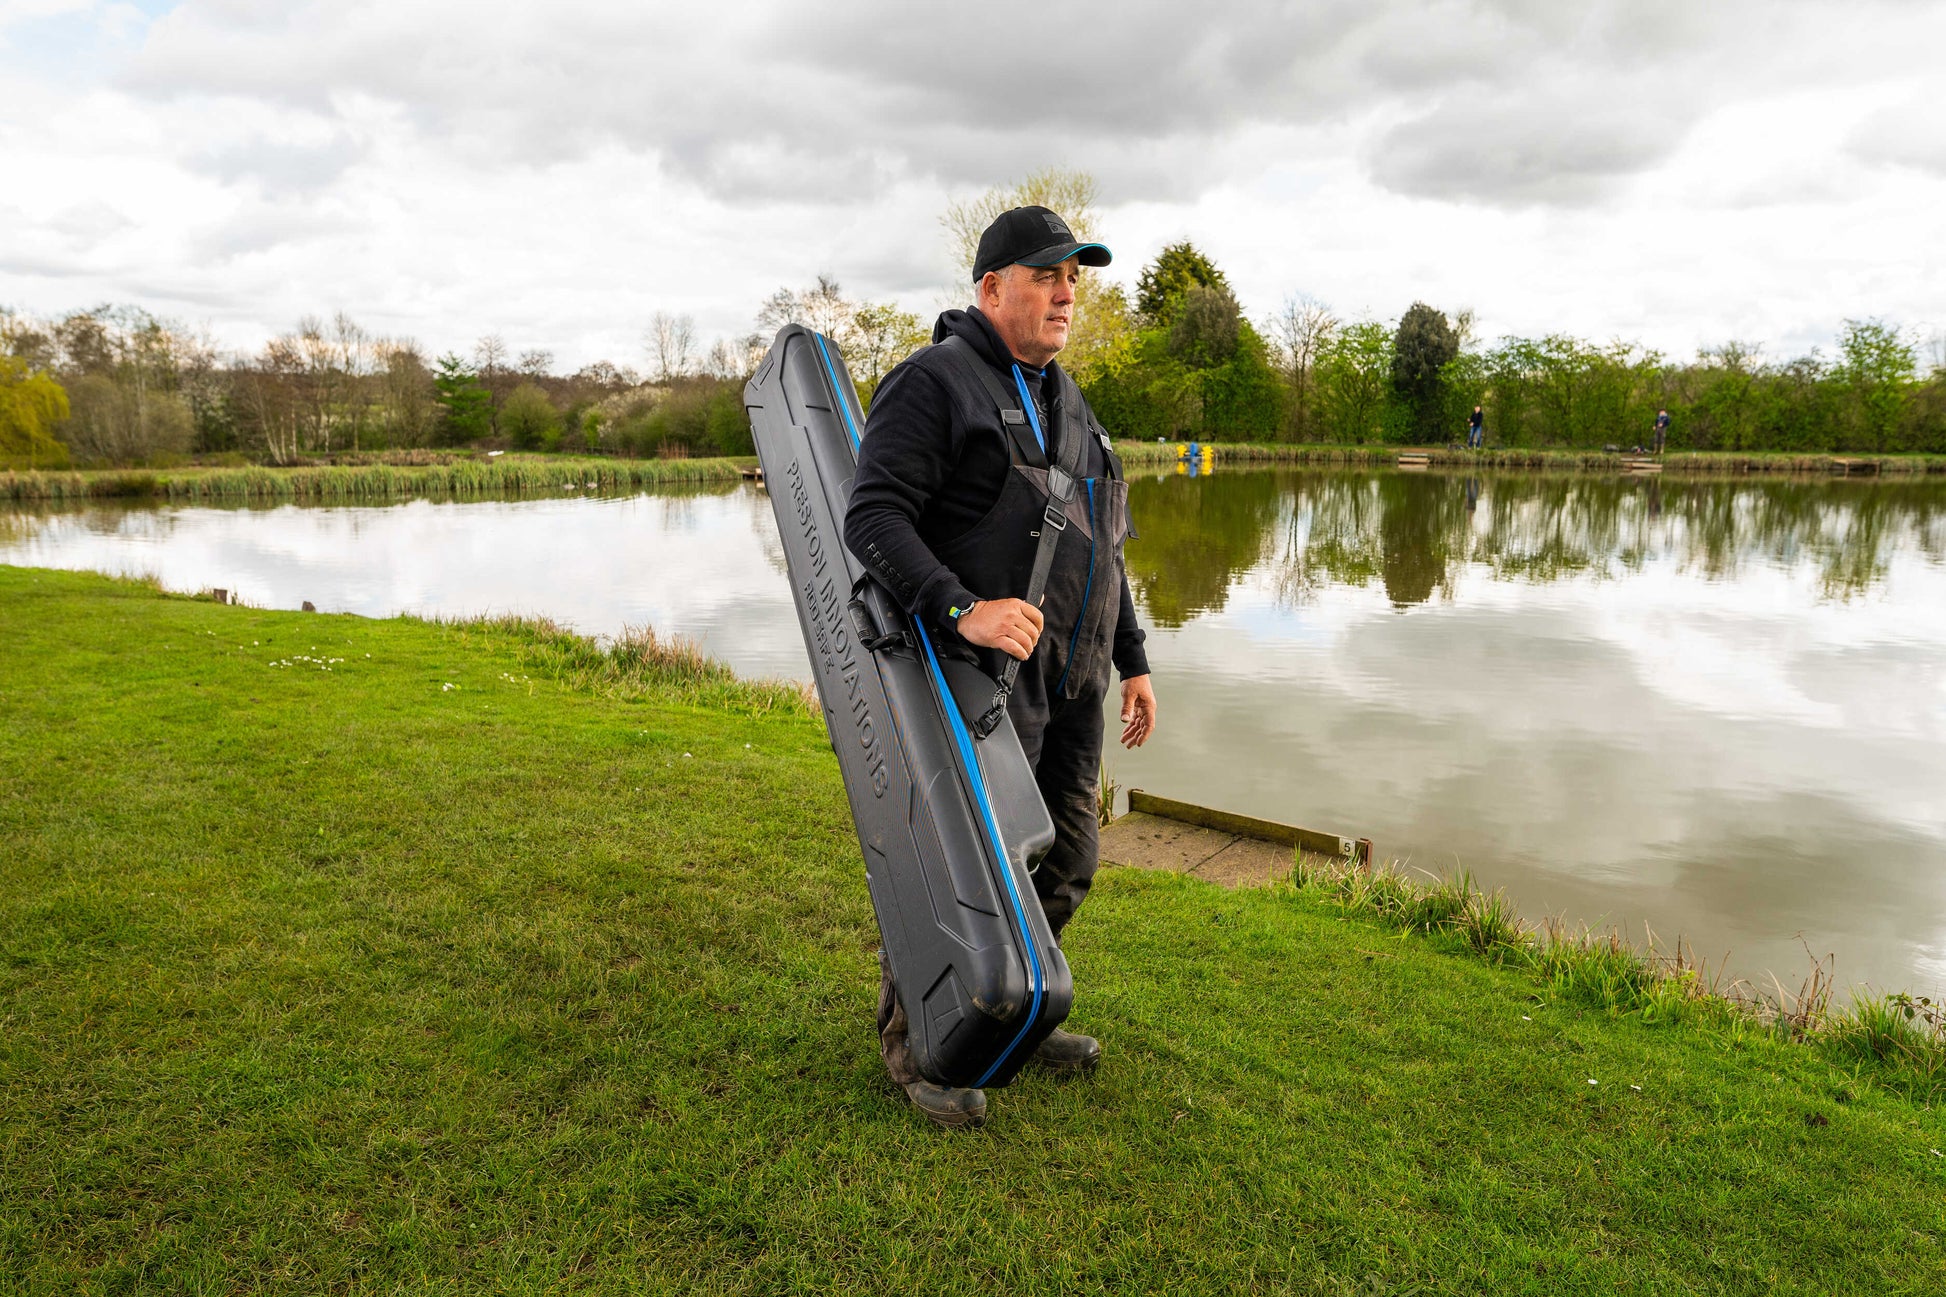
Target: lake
1717 708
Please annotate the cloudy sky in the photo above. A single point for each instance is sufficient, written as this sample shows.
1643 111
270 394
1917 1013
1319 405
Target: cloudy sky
1668 171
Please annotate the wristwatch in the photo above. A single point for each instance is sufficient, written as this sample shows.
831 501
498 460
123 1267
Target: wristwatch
957 613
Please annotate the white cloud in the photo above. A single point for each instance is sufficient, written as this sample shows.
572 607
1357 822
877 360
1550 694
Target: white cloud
1669 172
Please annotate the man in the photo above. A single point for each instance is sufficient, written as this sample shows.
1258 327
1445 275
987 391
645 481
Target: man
1661 430
1476 431
946 510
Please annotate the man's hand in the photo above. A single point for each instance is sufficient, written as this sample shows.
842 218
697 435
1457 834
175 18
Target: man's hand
1011 625
1138 711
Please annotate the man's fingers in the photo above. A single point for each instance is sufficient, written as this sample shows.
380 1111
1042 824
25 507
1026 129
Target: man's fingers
1034 616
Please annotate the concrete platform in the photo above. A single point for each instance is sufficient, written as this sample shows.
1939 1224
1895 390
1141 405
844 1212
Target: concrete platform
1223 848
1151 842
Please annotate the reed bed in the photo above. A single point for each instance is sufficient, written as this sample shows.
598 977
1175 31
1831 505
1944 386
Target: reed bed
372 480
1158 454
1901 1035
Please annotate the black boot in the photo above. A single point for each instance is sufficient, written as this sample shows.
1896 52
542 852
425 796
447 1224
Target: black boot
1066 1051
950 1107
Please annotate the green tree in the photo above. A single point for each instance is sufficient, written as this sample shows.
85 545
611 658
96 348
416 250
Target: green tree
885 336
1166 281
1421 349
1354 382
31 404
530 420
1462 385
1875 372
467 404
1203 333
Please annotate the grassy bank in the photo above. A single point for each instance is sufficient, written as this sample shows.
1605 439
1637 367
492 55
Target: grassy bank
340 955
375 480
1153 454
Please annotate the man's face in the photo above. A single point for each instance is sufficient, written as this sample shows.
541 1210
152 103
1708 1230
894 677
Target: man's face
1032 307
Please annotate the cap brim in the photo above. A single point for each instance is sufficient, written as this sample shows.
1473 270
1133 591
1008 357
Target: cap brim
1091 254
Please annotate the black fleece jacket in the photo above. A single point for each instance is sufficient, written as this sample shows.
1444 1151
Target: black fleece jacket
925 478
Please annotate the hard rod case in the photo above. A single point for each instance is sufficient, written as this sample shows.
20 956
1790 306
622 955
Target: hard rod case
950 824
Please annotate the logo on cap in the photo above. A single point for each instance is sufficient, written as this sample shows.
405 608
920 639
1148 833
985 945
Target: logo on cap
1055 225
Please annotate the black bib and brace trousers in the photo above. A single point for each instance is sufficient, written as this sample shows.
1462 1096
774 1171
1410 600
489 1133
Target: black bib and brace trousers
1075 480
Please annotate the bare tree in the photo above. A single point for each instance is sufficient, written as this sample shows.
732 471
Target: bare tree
490 356
1071 193
725 361
671 346
1300 330
607 376
1101 315
406 392
490 363
269 399
537 363
354 356
822 307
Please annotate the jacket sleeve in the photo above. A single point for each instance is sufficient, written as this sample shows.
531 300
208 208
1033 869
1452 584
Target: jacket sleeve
908 453
1131 659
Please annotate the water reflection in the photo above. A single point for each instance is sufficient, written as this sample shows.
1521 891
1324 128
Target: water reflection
702 561
1410 531
1715 707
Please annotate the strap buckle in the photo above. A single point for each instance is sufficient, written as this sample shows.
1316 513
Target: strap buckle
990 718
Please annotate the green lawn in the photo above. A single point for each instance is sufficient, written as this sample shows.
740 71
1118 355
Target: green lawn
333 980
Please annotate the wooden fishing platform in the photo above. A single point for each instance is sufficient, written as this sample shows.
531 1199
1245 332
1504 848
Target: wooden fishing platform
1415 459
1639 464
1218 846
751 475
1850 467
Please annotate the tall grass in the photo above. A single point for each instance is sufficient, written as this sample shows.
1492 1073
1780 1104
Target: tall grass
1904 1036
636 664
509 474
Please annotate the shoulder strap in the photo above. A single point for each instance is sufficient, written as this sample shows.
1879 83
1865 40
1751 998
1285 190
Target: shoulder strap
1061 479
1003 397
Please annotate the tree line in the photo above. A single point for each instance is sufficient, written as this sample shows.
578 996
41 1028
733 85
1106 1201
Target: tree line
1177 359
118 385
1181 360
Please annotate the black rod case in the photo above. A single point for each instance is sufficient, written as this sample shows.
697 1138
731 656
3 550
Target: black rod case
951 825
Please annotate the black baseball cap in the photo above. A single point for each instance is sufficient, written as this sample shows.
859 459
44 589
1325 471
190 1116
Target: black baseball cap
1032 236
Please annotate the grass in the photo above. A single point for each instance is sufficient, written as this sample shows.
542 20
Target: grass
372 478
474 964
1905 1036
1143 454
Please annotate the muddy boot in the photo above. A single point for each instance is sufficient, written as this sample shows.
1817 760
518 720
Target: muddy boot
950 1107
1066 1051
